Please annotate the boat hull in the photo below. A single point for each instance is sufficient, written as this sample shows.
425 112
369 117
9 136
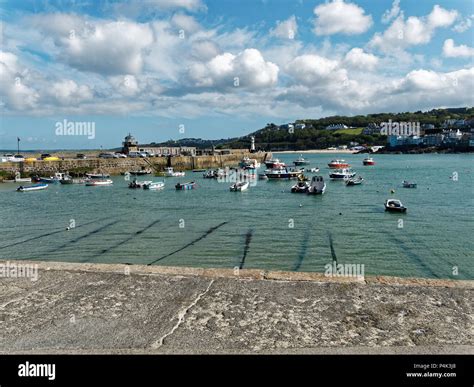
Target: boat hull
185 186
36 187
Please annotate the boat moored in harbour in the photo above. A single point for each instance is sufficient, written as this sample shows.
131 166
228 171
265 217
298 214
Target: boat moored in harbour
317 186
247 163
97 175
170 172
274 164
98 182
408 184
368 161
301 186
239 186
355 181
138 184
34 187
185 186
342 174
312 170
394 205
283 173
301 161
338 164
154 185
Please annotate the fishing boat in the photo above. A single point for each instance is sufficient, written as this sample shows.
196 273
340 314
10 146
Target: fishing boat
97 175
58 176
342 174
394 205
247 163
283 173
300 187
407 184
239 186
355 181
274 164
139 184
186 186
72 181
312 170
154 185
338 164
317 186
34 187
368 161
301 161
170 172
141 172
98 182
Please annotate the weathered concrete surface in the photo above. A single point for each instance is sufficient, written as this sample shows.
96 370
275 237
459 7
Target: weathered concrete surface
100 308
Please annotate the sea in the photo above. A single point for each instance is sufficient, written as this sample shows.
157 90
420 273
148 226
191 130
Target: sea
266 227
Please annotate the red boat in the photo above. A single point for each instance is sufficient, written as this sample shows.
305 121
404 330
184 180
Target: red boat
338 164
368 161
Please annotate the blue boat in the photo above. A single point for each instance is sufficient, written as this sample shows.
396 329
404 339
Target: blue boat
34 187
186 186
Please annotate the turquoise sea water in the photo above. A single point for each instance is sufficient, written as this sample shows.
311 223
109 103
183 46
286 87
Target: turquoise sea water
271 227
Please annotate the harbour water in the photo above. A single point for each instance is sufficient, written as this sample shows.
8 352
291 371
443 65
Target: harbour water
265 227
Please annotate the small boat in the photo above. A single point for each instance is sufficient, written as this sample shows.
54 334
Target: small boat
185 186
34 187
274 164
317 186
301 161
72 181
342 174
199 170
210 174
58 176
355 181
300 187
338 164
98 182
23 180
170 172
283 173
239 186
312 170
247 163
262 176
368 161
141 172
394 205
154 185
407 184
97 175
139 184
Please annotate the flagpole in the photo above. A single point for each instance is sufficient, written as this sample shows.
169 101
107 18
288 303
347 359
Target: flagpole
18 145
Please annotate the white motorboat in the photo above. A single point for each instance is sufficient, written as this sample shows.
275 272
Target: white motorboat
342 174
301 161
394 205
248 163
170 172
355 181
300 187
139 184
312 170
34 187
317 186
154 185
98 182
239 186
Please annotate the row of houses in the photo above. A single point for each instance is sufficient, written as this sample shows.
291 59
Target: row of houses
445 138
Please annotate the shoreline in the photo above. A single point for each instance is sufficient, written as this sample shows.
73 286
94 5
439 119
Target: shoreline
320 151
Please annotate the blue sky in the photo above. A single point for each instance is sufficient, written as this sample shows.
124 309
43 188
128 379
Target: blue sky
222 68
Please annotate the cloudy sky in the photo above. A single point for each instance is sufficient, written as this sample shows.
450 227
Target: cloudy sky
222 68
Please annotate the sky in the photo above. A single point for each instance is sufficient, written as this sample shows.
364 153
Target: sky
171 69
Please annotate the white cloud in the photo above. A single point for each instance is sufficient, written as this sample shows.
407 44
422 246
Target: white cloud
249 67
392 13
15 90
286 29
357 58
464 24
452 51
338 17
185 22
315 69
413 31
69 92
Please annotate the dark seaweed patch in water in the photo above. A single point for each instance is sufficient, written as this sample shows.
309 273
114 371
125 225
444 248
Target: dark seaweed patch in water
302 254
331 245
49 234
248 239
128 239
410 253
210 231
